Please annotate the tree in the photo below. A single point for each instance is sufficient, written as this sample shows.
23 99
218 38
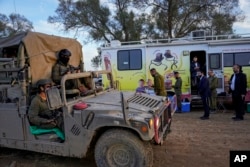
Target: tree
13 24
134 20
130 20
177 18
96 61
99 21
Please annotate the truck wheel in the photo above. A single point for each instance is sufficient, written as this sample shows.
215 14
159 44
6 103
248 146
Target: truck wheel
122 148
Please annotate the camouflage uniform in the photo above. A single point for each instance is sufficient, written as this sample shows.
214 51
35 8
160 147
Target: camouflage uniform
213 84
159 86
177 89
39 114
58 71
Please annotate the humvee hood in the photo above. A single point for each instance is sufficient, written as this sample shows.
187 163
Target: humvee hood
135 102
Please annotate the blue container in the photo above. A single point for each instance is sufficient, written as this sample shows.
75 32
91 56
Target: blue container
248 107
185 106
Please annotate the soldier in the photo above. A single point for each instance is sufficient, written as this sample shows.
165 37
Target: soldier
177 89
159 86
39 113
62 67
213 84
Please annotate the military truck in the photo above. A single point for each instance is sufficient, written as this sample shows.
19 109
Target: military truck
117 128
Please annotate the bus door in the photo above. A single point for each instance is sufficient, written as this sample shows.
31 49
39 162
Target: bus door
216 64
202 61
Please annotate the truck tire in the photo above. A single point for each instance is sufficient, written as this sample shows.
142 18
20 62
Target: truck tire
121 148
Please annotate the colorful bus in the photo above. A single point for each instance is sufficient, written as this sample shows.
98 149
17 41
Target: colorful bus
132 61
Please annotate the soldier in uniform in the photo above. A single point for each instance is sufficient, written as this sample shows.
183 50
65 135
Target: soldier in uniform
62 67
177 88
39 113
159 86
213 84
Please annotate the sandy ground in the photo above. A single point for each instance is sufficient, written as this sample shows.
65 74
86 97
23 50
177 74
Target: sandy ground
191 143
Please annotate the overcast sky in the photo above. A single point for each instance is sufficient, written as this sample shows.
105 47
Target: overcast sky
37 11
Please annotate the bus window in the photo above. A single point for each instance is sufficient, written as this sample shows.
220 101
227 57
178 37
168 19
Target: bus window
228 60
242 59
214 61
129 59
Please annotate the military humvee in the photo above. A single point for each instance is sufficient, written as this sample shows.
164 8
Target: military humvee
118 127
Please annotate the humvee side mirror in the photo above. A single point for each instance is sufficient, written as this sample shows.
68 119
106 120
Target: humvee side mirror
54 99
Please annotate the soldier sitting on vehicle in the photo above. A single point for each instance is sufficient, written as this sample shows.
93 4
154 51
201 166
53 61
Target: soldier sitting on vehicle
62 67
39 113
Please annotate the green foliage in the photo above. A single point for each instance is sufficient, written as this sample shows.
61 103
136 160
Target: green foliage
133 20
96 61
103 22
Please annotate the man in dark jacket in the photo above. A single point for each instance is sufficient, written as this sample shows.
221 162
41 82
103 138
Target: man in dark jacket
238 88
204 92
159 85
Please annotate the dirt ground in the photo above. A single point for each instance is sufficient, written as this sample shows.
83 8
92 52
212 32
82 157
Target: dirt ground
191 143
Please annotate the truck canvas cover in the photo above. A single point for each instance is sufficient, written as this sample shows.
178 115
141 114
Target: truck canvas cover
40 51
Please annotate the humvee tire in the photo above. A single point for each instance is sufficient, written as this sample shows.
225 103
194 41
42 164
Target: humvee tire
122 148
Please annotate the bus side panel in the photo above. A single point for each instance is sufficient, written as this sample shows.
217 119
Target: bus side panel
125 79
167 59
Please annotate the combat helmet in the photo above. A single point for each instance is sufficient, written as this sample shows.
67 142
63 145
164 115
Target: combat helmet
42 82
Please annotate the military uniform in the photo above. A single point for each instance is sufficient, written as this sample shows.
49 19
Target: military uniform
159 86
177 89
39 114
58 71
213 84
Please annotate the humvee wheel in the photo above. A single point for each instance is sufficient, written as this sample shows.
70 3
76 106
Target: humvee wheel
122 148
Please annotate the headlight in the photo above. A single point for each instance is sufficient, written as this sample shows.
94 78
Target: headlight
140 125
151 123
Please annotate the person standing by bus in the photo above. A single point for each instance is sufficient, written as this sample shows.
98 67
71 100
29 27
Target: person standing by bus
177 89
238 88
213 84
195 66
204 92
159 86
